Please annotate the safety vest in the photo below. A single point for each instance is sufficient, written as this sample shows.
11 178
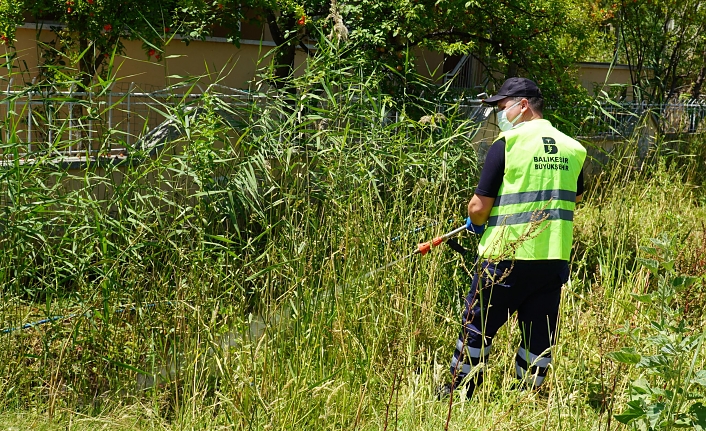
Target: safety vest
532 217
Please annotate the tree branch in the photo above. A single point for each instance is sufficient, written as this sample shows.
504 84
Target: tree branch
467 36
274 28
526 12
304 47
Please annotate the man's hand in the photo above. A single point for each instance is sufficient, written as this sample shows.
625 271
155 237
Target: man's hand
474 228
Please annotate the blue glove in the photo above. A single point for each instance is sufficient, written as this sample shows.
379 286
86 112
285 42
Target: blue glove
474 228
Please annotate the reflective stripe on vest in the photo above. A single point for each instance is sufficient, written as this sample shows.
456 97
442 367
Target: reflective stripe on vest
530 217
536 196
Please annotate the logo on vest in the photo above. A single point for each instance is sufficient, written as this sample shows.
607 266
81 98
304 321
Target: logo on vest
551 162
550 146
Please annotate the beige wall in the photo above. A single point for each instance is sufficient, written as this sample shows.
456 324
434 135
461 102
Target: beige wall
429 63
215 60
593 76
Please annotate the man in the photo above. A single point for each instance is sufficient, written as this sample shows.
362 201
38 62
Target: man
523 208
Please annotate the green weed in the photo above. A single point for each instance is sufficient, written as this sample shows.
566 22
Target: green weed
214 278
665 396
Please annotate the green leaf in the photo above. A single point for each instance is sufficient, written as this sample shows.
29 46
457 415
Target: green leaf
647 298
628 416
668 265
626 355
700 378
651 264
641 386
634 411
654 414
683 282
661 243
698 413
649 250
683 421
654 361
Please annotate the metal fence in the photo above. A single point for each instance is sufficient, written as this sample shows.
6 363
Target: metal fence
35 122
621 119
683 117
467 75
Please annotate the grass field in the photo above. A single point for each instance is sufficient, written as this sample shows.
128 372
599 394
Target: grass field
221 282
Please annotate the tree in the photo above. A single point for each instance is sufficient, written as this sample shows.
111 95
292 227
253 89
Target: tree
663 44
540 39
93 30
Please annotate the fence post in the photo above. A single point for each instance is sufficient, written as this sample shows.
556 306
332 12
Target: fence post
29 120
129 92
71 118
693 113
110 108
48 109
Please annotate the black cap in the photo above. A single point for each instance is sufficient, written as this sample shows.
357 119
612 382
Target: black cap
515 87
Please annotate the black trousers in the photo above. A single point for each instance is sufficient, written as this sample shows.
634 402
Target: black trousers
499 289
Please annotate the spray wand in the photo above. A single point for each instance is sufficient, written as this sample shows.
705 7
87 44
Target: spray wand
424 247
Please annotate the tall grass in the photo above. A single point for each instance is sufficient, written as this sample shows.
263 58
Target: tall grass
220 271
216 279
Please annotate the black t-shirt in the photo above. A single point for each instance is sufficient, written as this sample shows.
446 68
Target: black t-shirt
491 177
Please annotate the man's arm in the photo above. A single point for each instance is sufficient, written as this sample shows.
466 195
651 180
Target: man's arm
579 187
491 178
479 208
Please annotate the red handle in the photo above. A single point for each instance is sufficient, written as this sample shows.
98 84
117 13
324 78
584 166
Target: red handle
424 248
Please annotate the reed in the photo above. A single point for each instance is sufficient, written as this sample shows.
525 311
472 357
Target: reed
214 279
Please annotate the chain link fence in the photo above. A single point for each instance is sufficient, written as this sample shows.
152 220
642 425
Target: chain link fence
616 120
36 122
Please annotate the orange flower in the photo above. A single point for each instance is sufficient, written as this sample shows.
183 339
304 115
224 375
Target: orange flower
302 20
107 27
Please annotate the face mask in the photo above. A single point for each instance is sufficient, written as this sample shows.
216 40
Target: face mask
503 123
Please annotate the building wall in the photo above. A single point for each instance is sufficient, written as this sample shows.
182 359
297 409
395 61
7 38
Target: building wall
429 63
217 60
598 76
214 60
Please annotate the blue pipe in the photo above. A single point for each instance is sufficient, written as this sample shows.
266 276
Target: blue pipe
419 229
70 316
